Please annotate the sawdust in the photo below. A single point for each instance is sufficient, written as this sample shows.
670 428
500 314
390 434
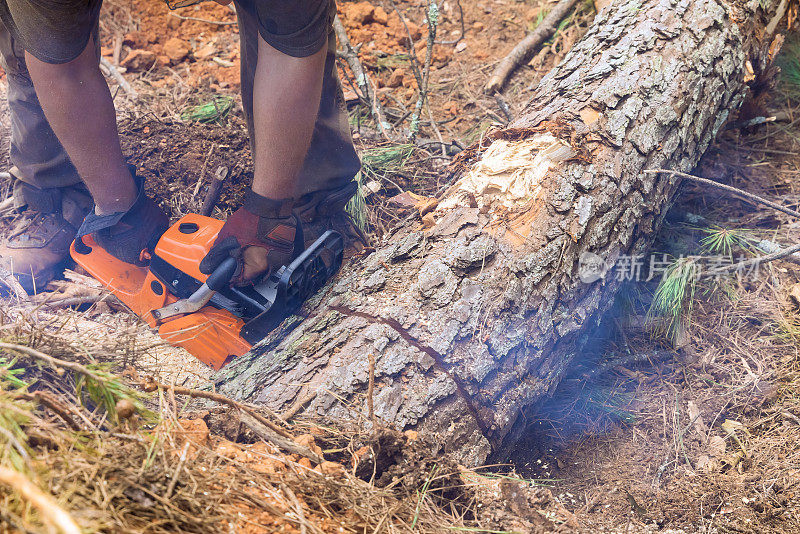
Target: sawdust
121 337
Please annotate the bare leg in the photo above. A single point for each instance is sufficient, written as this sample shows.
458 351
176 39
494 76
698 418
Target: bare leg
286 99
78 105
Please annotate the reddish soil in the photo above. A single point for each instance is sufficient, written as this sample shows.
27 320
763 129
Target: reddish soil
204 54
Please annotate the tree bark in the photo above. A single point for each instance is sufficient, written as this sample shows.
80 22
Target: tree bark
474 320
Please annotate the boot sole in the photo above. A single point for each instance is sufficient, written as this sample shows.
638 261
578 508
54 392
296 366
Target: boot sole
33 284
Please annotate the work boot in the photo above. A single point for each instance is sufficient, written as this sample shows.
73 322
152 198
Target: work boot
125 234
263 235
325 210
38 247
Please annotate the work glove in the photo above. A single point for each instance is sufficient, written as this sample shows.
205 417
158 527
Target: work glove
263 235
126 234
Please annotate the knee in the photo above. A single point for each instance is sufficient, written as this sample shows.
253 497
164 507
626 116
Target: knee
13 59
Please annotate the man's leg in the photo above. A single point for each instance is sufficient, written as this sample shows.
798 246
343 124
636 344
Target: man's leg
36 154
283 57
287 91
87 132
325 183
46 181
331 161
60 45
286 100
296 178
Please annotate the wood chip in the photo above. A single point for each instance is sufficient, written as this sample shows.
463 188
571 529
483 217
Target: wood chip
794 294
222 62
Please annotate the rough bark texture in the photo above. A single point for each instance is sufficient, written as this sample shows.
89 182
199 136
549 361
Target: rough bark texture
493 287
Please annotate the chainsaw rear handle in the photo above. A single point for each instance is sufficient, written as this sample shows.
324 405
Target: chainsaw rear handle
222 275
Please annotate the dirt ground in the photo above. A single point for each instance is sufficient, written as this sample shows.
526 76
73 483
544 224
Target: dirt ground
698 438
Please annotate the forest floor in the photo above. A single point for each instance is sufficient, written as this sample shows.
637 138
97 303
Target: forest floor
688 426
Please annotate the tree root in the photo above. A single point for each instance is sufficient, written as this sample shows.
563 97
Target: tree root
260 425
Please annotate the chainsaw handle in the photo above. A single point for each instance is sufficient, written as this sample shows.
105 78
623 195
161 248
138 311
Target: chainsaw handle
221 277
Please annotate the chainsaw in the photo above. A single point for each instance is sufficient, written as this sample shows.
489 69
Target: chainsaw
204 314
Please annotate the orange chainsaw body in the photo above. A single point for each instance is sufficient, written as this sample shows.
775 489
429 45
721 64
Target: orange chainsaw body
212 335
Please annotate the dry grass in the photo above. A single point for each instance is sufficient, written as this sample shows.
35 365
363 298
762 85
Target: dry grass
158 471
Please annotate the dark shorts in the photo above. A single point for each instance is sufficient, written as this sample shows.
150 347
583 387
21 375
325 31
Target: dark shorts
56 31
297 28
53 31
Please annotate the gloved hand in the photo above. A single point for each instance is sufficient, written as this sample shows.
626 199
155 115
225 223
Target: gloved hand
125 234
262 235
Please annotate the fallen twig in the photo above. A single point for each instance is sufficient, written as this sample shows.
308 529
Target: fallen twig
504 108
203 171
781 116
222 62
151 386
46 505
765 245
260 425
75 301
747 264
463 27
54 362
118 40
730 189
287 444
48 400
432 16
297 406
214 188
525 49
114 73
196 19
298 508
174 479
362 78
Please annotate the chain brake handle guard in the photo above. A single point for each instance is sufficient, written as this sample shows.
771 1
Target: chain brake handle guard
286 289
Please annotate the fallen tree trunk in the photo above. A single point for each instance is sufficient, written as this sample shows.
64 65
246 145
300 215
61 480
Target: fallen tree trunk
476 319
